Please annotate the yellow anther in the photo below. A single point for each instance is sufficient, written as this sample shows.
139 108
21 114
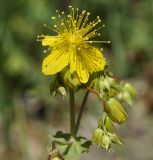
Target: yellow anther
79 48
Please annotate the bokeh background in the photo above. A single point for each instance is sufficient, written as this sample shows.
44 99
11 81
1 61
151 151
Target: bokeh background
28 113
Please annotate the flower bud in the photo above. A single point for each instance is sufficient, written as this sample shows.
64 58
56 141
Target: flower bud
120 96
101 85
100 123
111 80
127 98
70 79
98 136
115 111
129 88
106 142
104 83
112 92
108 124
62 91
117 140
94 81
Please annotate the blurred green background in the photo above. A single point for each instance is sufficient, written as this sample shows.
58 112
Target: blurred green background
28 113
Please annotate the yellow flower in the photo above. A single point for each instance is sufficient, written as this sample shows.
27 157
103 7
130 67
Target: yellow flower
71 46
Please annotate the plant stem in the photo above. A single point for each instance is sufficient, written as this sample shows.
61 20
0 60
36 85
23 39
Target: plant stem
96 93
72 113
81 111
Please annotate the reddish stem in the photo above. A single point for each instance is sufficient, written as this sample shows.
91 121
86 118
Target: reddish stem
93 91
49 157
98 94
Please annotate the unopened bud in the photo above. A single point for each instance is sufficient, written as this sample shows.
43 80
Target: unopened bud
98 136
127 98
106 142
116 139
115 111
70 80
101 85
62 91
108 124
129 88
100 123
104 83
110 80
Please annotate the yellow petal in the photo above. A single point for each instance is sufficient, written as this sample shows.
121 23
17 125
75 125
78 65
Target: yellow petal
93 59
73 60
55 62
78 66
82 72
49 40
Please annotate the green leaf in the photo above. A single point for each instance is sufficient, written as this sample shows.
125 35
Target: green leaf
74 152
79 146
69 147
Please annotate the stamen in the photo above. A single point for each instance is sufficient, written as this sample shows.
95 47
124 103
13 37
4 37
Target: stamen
76 26
85 20
80 19
101 27
98 42
50 28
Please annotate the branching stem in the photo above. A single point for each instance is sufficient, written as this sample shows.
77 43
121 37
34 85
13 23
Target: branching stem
98 94
72 113
81 111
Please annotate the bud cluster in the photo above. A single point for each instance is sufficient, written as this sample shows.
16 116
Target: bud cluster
105 133
127 93
114 94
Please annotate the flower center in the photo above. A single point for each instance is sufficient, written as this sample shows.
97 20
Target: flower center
73 39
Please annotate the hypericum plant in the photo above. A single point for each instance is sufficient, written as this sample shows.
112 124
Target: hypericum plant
78 65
